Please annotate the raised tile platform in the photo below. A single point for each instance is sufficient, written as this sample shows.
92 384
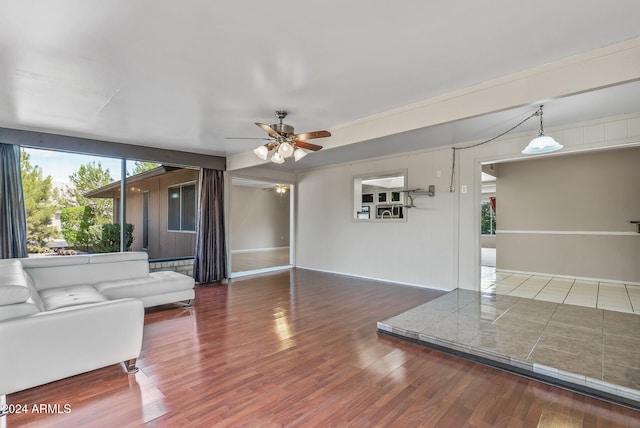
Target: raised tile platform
589 350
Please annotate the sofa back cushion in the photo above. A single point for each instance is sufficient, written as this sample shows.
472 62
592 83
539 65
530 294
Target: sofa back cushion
130 256
60 271
118 266
56 271
14 287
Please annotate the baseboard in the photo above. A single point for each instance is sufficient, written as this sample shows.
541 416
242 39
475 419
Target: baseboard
233 275
370 278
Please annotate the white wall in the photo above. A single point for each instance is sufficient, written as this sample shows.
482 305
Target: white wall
419 251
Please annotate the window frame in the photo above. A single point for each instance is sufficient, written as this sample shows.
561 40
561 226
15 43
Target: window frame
180 209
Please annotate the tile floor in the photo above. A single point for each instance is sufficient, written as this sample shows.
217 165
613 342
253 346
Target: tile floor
588 349
592 294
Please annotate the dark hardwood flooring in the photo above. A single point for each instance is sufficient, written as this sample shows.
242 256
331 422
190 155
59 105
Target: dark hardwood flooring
300 348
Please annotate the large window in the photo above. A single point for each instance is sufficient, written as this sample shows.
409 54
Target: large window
182 208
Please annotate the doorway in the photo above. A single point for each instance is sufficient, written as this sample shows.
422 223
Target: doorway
261 226
565 231
488 219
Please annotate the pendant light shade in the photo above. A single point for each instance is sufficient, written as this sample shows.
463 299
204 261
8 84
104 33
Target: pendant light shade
285 149
542 143
262 152
299 154
276 158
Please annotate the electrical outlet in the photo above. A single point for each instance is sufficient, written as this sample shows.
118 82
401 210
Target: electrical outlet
439 173
463 189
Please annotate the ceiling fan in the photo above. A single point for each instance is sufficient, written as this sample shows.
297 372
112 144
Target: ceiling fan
285 143
280 189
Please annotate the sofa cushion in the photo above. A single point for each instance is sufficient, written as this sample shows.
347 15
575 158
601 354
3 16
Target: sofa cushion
61 271
34 296
57 271
17 310
155 283
56 298
118 257
14 287
54 260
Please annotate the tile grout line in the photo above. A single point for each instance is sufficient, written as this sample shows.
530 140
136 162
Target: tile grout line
542 289
626 288
519 285
568 292
543 330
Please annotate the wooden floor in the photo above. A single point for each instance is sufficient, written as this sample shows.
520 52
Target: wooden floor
300 348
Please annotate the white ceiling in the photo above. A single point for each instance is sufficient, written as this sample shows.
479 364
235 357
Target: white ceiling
185 75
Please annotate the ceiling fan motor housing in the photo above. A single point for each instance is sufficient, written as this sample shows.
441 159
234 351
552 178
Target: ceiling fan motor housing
283 128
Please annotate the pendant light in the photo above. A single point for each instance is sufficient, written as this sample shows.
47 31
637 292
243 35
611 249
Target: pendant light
542 143
262 152
299 154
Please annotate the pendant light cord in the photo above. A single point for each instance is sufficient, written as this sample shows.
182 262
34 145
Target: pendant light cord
453 164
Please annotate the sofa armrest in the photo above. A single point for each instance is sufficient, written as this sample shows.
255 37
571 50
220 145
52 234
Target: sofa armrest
48 346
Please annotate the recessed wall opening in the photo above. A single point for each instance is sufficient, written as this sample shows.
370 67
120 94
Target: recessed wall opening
563 228
261 232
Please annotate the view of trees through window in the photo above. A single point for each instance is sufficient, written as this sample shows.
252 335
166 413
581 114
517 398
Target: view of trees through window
59 215
488 219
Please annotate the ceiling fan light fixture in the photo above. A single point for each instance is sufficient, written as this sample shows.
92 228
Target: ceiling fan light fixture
284 143
285 149
262 152
299 154
277 158
542 143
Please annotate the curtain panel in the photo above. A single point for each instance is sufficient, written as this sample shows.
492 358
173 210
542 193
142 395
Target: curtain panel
13 215
210 263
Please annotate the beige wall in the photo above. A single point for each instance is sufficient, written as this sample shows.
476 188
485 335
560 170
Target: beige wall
569 215
259 218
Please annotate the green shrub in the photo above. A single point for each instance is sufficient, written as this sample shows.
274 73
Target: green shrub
75 225
95 234
110 238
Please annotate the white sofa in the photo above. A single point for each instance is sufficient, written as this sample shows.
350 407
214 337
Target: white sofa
65 315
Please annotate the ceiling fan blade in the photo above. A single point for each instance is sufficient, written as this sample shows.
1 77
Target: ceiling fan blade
311 135
246 138
269 130
308 146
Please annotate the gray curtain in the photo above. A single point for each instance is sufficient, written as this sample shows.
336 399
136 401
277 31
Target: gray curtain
210 262
13 215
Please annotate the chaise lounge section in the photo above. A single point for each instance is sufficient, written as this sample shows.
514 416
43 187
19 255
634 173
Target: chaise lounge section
65 315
